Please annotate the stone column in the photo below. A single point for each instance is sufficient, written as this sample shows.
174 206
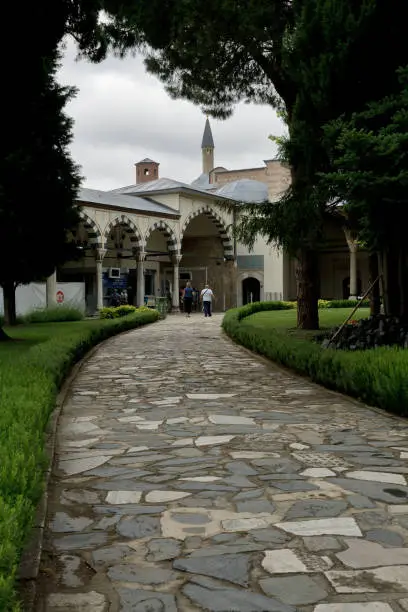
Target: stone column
140 278
51 290
176 285
353 248
100 254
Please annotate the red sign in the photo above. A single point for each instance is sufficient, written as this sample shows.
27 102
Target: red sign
60 297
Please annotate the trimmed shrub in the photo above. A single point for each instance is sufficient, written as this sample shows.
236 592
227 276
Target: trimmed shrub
249 309
113 312
56 314
343 304
29 382
378 377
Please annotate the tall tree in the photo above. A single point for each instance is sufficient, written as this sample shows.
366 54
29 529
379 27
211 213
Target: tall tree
309 58
38 182
217 54
370 157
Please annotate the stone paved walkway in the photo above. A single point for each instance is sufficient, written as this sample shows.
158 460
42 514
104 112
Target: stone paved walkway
193 476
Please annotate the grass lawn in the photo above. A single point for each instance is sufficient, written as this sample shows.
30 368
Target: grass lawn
377 376
27 336
285 320
32 367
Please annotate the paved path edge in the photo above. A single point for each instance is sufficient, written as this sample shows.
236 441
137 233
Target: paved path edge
29 567
284 369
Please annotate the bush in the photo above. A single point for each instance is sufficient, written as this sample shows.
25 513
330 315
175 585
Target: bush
29 382
342 304
249 309
378 377
56 314
116 311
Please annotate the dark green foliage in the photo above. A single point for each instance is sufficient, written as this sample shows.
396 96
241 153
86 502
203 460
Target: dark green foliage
38 181
30 376
343 304
370 156
378 377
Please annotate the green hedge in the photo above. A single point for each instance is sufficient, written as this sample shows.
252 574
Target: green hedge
55 314
342 304
378 377
113 312
29 384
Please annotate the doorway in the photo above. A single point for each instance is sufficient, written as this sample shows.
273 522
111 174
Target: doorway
251 290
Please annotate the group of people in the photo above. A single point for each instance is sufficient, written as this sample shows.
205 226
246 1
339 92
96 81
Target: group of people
190 296
118 298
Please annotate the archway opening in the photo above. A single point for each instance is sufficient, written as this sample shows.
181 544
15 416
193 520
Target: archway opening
251 290
206 259
82 268
158 266
122 242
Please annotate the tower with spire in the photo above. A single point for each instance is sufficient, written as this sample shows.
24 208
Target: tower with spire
207 148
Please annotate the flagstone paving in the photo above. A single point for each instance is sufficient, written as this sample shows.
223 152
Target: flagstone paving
191 475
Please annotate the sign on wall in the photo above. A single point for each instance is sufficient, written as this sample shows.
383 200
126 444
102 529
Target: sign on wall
32 296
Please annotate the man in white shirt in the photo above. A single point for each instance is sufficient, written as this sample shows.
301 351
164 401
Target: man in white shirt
207 296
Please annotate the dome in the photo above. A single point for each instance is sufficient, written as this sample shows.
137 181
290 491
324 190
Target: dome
245 190
202 182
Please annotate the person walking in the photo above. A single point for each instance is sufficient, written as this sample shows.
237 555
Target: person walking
188 298
207 296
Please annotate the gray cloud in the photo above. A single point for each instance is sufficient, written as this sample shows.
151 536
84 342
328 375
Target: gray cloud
122 114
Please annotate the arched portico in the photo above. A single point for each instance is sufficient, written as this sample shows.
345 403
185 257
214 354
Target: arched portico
123 243
161 261
207 253
88 238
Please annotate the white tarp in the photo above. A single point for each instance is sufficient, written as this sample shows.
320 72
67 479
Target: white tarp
29 297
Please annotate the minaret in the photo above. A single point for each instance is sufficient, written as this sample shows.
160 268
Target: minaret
207 148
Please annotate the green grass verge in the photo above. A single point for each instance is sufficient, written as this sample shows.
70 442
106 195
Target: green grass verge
378 377
32 370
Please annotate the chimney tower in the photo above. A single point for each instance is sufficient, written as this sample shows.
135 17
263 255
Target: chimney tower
146 170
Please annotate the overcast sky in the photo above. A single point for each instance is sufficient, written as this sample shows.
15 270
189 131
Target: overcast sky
122 114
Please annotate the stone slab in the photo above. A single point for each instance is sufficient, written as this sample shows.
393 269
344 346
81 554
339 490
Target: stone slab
296 589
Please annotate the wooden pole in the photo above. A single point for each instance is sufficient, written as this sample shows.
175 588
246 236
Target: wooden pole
357 306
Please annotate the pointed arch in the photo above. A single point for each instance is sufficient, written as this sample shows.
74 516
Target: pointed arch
219 224
129 227
92 229
161 226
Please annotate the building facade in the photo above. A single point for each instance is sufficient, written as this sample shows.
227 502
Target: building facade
150 237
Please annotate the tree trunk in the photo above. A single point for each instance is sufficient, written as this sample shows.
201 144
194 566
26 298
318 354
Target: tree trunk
375 302
9 295
392 299
307 277
403 282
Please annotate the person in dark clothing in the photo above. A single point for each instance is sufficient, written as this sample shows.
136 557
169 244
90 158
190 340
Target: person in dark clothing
188 298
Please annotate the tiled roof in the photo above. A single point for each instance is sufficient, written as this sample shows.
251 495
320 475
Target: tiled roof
110 199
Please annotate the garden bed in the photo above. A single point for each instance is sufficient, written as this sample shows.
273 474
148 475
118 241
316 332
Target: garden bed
32 369
378 377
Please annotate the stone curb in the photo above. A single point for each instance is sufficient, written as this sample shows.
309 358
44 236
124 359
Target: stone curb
285 370
29 568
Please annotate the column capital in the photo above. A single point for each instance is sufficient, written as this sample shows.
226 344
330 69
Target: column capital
140 256
100 253
176 259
